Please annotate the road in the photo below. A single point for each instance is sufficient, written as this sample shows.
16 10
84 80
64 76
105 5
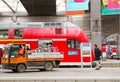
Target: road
63 73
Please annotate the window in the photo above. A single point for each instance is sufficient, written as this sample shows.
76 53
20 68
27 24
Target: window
18 33
73 44
58 31
43 43
14 49
3 33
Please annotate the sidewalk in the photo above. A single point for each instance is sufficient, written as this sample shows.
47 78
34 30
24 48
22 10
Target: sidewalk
110 63
66 74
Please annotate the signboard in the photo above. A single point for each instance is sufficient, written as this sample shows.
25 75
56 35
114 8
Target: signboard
79 0
105 2
72 52
75 5
112 40
78 12
85 52
85 49
106 11
113 4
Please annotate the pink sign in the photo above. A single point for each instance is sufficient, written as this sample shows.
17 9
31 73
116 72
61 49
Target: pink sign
79 0
113 4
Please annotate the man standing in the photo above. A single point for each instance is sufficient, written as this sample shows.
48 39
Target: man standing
97 53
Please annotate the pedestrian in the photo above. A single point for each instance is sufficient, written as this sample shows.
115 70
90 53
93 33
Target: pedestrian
98 54
49 47
20 51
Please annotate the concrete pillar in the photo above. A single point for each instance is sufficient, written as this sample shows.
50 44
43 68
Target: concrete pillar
119 35
95 16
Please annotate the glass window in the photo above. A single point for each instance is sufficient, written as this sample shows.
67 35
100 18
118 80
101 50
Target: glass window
58 31
14 49
3 33
43 43
73 44
18 33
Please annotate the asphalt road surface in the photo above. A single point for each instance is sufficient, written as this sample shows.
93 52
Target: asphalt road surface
63 73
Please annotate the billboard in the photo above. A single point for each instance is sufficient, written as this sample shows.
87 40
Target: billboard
85 49
71 13
113 4
105 2
72 5
106 11
79 0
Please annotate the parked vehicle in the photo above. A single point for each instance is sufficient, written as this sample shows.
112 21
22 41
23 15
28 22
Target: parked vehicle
66 40
18 62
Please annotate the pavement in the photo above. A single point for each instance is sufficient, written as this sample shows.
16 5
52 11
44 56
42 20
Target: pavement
106 74
63 73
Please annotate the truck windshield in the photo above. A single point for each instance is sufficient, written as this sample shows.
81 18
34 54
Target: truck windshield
13 51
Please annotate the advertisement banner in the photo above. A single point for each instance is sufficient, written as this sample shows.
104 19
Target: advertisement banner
85 52
113 4
72 52
106 11
105 2
79 0
85 49
71 13
73 5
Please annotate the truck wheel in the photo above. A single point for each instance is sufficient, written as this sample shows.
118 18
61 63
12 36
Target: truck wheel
14 70
21 68
48 66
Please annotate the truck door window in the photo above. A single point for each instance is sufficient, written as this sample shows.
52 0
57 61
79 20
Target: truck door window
73 44
15 51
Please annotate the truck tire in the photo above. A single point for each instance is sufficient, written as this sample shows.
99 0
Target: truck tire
48 66
20 68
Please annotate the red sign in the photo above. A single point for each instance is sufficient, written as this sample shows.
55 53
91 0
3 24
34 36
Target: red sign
71 13
79 0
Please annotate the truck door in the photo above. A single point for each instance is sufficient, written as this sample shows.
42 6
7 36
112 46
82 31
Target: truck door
1 54
17 53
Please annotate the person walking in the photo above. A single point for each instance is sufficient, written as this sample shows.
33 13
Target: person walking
98 54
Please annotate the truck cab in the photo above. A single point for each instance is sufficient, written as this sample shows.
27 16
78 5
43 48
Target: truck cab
19 62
